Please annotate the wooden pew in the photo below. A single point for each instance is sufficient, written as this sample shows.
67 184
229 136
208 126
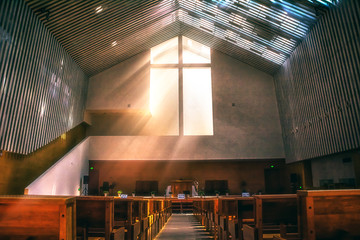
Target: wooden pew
153 218
127 214
145 220
198 210
330 214
234 212
275 215
211 209
204 210
245 214
158 211
182 205
95 218
227 213
167 210
37 217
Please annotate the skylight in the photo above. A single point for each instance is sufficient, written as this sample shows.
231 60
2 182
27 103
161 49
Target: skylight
271 30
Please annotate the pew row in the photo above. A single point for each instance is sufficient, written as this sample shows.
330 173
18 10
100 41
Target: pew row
275 215
95 218
32 217
81 218
234 212
205 210
330 214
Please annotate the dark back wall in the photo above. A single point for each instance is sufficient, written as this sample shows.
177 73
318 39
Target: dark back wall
241 175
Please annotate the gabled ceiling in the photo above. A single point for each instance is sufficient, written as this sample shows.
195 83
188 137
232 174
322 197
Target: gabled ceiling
101 33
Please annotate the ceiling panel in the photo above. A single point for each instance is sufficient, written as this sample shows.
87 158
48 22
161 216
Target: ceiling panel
101 33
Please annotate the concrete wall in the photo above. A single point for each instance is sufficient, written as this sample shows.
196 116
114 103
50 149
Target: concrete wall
18 171
246 122
335 168
65 176
126 83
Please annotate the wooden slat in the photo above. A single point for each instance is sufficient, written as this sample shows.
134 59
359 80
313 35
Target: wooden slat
318 88
42 89
87 35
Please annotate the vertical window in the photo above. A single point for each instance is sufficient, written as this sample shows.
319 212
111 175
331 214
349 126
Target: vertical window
194 52
165 53
180 88
164 100
197 101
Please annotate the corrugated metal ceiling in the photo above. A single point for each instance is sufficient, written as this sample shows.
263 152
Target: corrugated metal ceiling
101 33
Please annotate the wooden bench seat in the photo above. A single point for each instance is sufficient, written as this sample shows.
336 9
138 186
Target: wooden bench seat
330 214
94 217
275 215
37 217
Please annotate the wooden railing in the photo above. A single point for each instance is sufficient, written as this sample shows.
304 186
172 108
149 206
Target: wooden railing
307 215
80 218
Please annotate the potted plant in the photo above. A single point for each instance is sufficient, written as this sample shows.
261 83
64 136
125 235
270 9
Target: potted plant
133 194
227 192
119 193
201 194
106 193
153 194
217 193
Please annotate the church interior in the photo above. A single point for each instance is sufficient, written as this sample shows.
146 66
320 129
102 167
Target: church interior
130 119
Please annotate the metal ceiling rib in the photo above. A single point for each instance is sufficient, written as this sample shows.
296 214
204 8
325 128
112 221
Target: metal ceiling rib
229 49
101 33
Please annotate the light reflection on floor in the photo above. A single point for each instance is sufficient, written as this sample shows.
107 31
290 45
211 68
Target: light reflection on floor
184 227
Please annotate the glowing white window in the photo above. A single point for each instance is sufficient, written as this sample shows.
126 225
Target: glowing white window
194 52
164 100
193 73
197 101
166 52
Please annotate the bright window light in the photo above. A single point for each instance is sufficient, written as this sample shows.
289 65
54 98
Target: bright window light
164 100
165 53
198 115
194 52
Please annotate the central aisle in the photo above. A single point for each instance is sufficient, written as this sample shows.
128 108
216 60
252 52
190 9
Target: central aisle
183 227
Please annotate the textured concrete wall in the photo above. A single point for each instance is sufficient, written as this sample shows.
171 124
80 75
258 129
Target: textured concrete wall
126 83
335 168
246 122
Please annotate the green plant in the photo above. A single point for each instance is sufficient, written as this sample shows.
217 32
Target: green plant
119 192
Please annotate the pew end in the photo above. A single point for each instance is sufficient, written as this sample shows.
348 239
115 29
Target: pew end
37 217
250 232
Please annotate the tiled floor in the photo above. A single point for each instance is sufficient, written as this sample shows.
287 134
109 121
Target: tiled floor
183 227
